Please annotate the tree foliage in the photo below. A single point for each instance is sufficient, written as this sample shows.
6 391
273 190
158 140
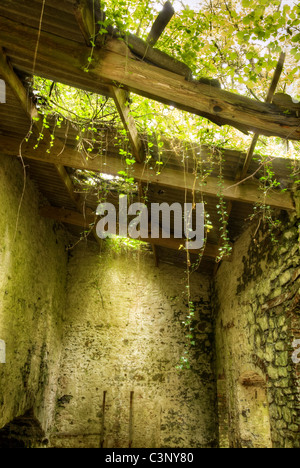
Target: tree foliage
237 42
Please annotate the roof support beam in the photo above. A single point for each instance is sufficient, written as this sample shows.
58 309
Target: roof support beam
247 192
269 99
114 65
121 100
88 13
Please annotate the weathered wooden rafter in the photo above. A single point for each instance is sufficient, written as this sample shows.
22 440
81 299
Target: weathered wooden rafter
160 23
121 98
115 65
248 192
86 14
269 98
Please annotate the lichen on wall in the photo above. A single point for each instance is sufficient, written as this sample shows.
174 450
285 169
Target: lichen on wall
257 321
32 296
123 339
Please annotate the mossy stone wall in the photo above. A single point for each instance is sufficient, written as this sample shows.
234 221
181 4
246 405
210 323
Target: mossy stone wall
257 321
33 266
123 338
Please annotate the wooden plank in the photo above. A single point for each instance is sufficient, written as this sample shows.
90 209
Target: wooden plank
248 192
121 100
113 65
86 22
276 77
30 12
18 89
85 221
269 98
31 111
202 99
160 23
88 15
156 57
65 178
68 216
249 157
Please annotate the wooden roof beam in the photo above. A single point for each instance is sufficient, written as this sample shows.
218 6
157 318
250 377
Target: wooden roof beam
115 65
160 23
269 98
247 192
121 98
88 14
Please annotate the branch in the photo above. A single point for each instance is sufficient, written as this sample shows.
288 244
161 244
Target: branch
250 176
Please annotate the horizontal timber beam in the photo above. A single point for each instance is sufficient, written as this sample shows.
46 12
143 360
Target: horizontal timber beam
78 219
247 192
115 65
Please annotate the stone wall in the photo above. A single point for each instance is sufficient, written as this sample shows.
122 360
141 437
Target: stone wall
32 297
92 346
123 339
257 321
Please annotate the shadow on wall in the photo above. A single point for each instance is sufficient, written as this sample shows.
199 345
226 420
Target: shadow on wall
254 419
23 432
